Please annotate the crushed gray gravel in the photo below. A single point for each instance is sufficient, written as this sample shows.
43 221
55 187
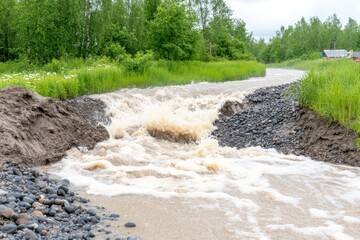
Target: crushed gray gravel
271 118
35 206
267 119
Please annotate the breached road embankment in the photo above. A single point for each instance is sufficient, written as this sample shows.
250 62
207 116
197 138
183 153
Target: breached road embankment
271 118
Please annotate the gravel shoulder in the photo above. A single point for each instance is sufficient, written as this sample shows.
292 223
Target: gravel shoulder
33 205
272 118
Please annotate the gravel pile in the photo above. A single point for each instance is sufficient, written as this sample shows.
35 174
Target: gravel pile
271 118
34 206
267 120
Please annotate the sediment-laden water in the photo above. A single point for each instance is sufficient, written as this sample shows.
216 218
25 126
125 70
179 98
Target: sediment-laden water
161 168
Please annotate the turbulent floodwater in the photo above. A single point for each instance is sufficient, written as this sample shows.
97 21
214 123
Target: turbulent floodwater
249 193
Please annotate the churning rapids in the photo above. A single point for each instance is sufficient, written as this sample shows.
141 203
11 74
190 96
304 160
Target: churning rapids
179 190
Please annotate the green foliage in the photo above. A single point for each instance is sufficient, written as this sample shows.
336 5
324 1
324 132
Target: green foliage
115 52
307 39
102 75
15 66
150 9
298 63
332 90
172 33
357 142
55 65
7 31
139 63
187 71
40 31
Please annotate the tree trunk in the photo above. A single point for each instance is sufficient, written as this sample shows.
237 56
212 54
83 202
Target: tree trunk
87 28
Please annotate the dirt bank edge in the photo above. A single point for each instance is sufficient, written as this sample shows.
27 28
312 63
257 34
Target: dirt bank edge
36 131
327 141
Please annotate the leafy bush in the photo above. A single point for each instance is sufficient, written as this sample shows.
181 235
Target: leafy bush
16 66
55 66
116 52
139 63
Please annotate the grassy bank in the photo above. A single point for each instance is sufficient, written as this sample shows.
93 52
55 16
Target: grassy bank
67 79
307 64
332 89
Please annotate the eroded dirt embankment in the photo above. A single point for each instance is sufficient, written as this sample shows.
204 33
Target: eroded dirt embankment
35 130
327 141
271 119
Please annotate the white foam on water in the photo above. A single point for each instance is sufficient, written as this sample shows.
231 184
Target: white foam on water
330 230
264 194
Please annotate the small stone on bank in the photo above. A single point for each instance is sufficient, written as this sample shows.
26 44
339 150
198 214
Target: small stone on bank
130 225
9 228
5 211
40 228
70 209
37 213
30 235
23 218
114 215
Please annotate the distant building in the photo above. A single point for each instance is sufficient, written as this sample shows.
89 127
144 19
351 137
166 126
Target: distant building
336 53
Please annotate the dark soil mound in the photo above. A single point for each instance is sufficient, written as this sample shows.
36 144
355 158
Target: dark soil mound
271 119
35 130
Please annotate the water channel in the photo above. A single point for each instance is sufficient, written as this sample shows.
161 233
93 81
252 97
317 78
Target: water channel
199 190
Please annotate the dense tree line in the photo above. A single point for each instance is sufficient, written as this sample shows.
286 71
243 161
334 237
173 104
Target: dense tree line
41 30
307 39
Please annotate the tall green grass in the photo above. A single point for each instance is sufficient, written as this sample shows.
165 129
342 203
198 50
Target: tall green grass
307 64
333 90
67 79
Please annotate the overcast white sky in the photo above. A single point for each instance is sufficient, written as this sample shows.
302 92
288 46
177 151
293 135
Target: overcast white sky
265 17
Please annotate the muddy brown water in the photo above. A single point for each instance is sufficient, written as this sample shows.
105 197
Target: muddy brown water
177 190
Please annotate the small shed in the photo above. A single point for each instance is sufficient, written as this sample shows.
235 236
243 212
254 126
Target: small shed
336 53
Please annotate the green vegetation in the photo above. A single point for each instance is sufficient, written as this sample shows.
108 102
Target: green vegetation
332 90
298 63
66 79
357 143
307 39
38 31
65 48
